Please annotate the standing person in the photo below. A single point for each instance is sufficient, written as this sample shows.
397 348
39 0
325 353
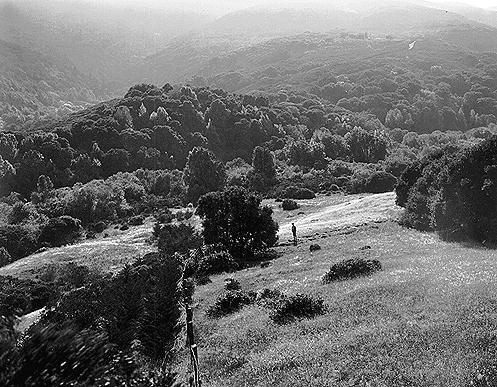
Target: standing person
294 232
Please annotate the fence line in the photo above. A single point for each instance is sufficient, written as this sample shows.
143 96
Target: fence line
190 342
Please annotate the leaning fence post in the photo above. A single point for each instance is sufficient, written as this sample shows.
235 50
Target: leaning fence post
190 342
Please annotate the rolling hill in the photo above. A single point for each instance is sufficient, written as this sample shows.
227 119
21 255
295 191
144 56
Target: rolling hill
33 86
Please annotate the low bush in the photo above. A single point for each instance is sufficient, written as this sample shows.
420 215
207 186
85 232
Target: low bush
288 308
164 216
380 182
184 215
289 205
351 268
298 193
5 257
314 247
98 227
61 231
215 263
230 302
136 220
231 284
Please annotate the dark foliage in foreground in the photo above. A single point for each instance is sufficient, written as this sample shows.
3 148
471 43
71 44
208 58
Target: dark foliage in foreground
141 304
351 268
64 355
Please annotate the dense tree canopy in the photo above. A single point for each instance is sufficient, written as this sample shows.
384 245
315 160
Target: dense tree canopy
236 219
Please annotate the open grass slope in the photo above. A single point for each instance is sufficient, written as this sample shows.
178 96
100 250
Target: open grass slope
429 318
103 254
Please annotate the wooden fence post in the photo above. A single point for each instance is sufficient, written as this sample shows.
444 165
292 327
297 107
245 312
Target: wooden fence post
190 342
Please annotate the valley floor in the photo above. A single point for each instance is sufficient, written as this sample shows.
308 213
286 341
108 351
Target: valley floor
429 318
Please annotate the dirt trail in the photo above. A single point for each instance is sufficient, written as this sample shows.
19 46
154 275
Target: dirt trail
355 212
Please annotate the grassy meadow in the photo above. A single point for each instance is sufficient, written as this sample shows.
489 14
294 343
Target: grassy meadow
429 318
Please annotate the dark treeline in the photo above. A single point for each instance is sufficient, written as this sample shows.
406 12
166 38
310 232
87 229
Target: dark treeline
161 147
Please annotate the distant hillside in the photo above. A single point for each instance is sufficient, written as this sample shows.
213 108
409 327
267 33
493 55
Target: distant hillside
102 41
33 86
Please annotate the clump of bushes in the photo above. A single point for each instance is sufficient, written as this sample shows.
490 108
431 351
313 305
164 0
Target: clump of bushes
19 240
294 192
61 231
231 301
98 227
314 247
215 263
289 205
208 260
380 182
21 296
231 284
351 268
5 257
164 216
180 238
288 308
136 220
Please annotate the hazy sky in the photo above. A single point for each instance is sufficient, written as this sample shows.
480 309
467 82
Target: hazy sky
219 5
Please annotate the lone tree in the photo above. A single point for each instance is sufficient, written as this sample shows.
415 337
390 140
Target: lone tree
236 219
203 173
263 162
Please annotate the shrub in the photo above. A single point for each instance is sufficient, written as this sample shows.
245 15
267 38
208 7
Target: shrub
288 308
351 268
380 182
164 216
98 227
5 257
230 301
298 193
231 284
136 220
19 240
19 296
184 215
22 212
289 205
60 231
215 263
315 247
180 238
